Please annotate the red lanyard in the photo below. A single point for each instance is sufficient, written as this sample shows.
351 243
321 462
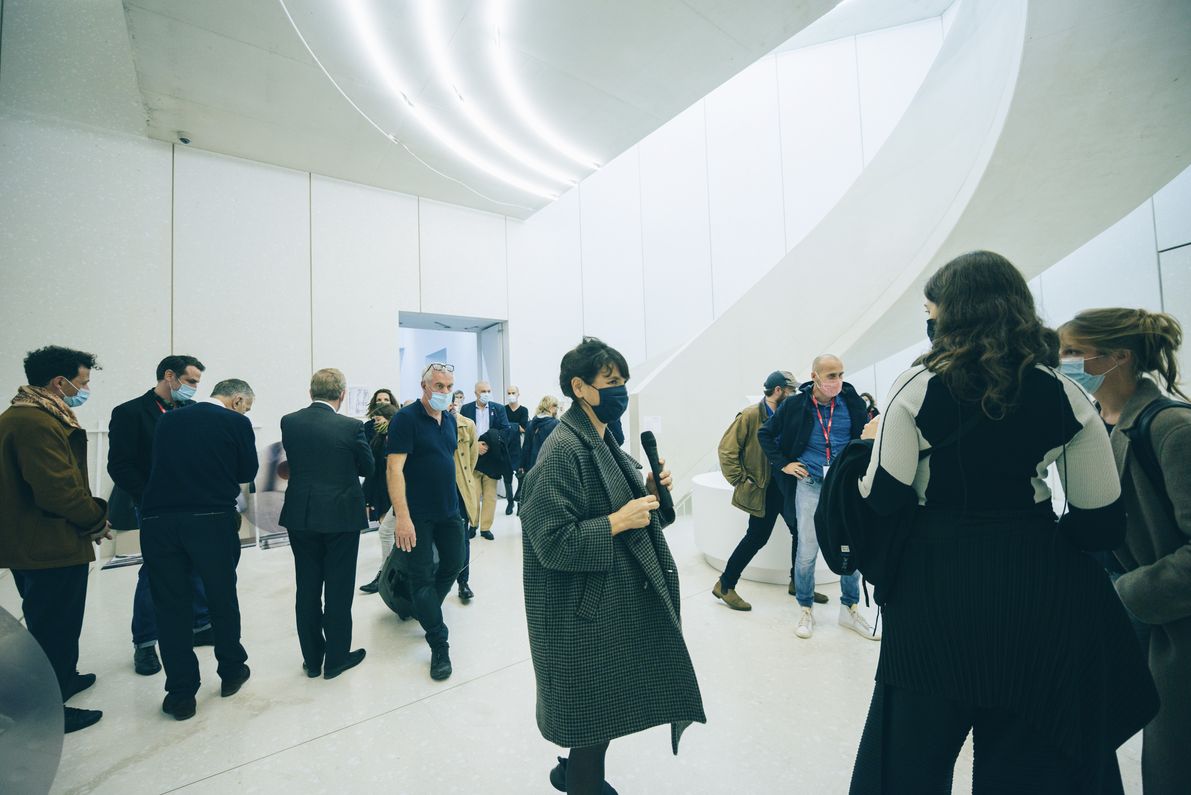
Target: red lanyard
826 428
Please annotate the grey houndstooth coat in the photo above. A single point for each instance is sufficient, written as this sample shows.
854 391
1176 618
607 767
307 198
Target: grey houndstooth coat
603 612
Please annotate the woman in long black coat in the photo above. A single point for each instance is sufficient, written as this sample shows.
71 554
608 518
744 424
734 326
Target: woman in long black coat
601 587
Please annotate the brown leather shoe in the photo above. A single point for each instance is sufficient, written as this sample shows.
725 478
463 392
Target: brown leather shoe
730 597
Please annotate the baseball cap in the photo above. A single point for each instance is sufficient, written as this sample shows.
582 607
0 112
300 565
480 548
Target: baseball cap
780 378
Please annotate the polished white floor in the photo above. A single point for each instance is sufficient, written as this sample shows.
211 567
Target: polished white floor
784 715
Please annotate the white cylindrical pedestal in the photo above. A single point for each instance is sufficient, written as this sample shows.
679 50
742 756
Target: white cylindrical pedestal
719 526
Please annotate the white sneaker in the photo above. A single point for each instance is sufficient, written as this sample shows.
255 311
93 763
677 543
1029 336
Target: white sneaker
851 618
806 623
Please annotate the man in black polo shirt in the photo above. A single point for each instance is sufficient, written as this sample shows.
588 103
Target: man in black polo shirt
421 476
201 455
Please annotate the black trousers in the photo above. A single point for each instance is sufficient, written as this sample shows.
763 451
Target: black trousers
430 584
53 601
464 572
510 495
174 546
911 741
324 562
757 536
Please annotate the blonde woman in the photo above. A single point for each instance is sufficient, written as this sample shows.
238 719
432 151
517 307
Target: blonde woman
466 456
1128 360
544 421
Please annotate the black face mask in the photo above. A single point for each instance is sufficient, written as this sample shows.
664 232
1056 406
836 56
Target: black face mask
930 329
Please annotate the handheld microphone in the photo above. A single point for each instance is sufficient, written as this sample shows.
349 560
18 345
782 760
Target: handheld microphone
665 501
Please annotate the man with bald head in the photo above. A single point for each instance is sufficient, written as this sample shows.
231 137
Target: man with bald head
801 440
492 427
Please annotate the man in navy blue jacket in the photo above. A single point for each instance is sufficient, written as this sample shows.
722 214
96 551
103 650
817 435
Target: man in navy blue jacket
324 513
130 454
799 440
488 416
201 455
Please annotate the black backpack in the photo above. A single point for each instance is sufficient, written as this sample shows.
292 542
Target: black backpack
1141 448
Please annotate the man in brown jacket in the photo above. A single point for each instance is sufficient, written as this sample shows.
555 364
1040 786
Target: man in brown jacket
744 464
48 517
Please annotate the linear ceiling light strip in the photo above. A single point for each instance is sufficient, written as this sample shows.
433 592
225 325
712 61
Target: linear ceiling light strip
388 135
435 39
521 103
365 27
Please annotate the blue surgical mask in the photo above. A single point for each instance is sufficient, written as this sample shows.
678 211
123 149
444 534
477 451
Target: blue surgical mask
485 397
614 400
1074 369
183 392
78 398
440 401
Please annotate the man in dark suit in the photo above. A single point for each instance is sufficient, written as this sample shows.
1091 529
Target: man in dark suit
324 513
130 452
202 454
488 416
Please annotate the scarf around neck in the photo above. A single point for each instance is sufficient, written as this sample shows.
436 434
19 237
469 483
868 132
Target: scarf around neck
47 401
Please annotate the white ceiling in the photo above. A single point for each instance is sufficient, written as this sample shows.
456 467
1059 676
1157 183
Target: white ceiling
235 76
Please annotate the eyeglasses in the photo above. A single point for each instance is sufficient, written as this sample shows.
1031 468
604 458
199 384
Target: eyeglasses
439 367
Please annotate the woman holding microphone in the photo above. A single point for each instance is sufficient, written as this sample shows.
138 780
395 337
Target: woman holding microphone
601 587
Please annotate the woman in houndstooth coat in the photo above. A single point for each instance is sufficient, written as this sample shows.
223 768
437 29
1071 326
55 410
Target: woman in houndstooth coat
601 587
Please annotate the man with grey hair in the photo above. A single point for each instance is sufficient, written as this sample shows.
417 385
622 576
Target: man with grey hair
201 456
492 426
420 469
324 512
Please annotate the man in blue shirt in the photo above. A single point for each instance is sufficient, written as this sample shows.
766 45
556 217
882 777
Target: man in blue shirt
420 470
801 440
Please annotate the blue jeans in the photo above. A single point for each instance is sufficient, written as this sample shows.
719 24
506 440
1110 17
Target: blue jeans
806 500
144 615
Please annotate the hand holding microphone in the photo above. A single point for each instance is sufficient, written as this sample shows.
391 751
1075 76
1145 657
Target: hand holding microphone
660 480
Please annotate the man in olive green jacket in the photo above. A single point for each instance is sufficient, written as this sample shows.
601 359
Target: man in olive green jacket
745 466
48 517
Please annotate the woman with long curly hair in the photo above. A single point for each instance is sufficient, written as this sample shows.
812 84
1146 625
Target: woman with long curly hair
1128 360
998 623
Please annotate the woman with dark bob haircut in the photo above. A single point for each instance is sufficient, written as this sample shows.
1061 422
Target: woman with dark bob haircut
998 623
601 587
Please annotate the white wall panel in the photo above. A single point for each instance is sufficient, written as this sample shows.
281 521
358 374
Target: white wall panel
892 64
364 269
242 278
613 290
1172 212
675 232
463 262
744 181
888 369
84 257
1176 294
1117 268
820 125
948 17
545 296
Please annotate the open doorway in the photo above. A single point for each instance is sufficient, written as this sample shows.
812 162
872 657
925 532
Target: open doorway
475 346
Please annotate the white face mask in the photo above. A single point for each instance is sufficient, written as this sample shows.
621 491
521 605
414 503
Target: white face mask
512 397
485 397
